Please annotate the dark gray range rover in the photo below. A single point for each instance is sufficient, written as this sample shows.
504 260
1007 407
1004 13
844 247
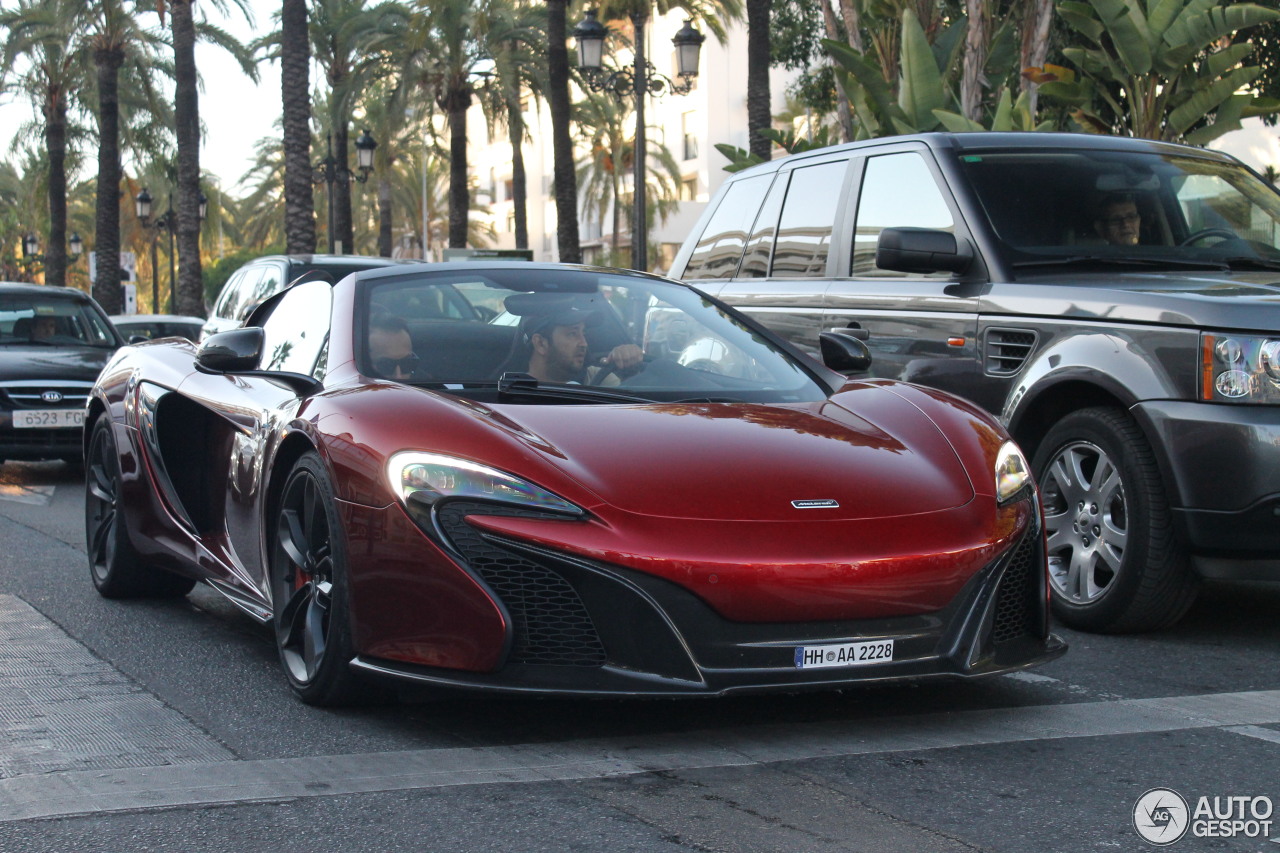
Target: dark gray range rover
1115 301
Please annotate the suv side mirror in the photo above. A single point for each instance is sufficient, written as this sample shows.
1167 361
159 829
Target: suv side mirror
844 353
922 250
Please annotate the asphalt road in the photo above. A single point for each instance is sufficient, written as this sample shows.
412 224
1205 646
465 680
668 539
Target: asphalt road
130 726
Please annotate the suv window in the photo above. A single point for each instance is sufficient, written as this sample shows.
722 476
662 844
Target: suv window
898 191
804 231
718 252
269 284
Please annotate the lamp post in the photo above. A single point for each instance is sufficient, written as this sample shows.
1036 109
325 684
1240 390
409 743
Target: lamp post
77 247
329 171
640 80
31 256
167 221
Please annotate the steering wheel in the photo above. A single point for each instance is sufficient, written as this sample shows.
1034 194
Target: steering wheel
611 369
1203 233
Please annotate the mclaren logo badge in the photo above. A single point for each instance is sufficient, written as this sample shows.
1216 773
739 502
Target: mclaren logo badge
51 397
816 504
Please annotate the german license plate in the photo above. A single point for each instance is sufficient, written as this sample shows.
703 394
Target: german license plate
48 418
844 654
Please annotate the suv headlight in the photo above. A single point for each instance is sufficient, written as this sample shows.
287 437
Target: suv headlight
1013 474
1239 369
425 478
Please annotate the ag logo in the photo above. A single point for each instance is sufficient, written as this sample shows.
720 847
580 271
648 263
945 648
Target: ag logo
1161 816
51 397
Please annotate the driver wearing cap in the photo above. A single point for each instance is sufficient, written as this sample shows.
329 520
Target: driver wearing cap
554 327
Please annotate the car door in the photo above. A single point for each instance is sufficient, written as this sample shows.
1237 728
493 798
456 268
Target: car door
919 327
250 415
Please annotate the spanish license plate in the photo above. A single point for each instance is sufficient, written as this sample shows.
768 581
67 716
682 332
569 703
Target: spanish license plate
844 654
48 418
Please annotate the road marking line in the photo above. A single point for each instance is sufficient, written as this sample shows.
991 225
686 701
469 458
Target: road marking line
1256 732
97 792
37 495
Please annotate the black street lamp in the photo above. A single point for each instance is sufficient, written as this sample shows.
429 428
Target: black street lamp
329 171
639 80
167 221
76 246
30 246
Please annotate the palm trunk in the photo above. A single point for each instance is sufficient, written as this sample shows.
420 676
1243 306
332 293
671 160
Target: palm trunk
343 231
759 116
976 44
106 281
295 94
519 180
1037 18
384 217
189 298
55 136
457 100
844 112
564 176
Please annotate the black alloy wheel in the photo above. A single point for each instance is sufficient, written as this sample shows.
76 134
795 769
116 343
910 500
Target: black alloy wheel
114 565
1114 562
309 591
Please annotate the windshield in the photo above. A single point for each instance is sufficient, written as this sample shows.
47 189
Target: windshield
581 331
1048 206
36 320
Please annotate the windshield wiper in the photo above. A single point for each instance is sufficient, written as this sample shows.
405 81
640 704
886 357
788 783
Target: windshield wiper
1085 260
524 385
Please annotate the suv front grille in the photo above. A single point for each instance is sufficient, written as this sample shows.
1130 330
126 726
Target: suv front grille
1007 350
551 624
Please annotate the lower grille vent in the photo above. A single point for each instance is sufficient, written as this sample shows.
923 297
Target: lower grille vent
551 624
1018 596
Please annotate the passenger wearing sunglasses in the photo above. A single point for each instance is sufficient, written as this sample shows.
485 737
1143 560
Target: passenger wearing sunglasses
391 348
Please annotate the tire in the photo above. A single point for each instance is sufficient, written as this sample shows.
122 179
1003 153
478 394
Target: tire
1115 565
114 565
310 592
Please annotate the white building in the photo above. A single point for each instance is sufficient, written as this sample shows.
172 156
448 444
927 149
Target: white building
715 111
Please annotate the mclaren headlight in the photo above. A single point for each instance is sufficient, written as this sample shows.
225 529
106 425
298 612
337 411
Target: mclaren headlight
1239 368
425 478
1013 474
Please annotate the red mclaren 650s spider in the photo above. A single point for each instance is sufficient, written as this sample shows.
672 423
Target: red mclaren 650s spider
556 479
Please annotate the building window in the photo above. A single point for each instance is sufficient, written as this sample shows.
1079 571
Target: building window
687 120
689 189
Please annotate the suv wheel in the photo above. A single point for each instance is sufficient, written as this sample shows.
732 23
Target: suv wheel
1114 564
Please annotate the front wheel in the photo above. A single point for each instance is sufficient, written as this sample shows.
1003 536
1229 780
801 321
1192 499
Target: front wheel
1114 564
310 592
114 565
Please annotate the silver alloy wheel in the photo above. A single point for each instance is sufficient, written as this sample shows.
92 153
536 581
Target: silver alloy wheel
1086 522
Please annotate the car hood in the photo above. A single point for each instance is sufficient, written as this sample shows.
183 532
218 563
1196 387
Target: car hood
54 363
1227 300
816 461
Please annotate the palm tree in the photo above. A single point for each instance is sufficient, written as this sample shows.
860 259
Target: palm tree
342 31
115 39
759 116
44 50
602 173
450 46
190 296
563 176
519 69
295 90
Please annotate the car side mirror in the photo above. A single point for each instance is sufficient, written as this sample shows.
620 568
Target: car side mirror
239 351
922 250
234 351
844 353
